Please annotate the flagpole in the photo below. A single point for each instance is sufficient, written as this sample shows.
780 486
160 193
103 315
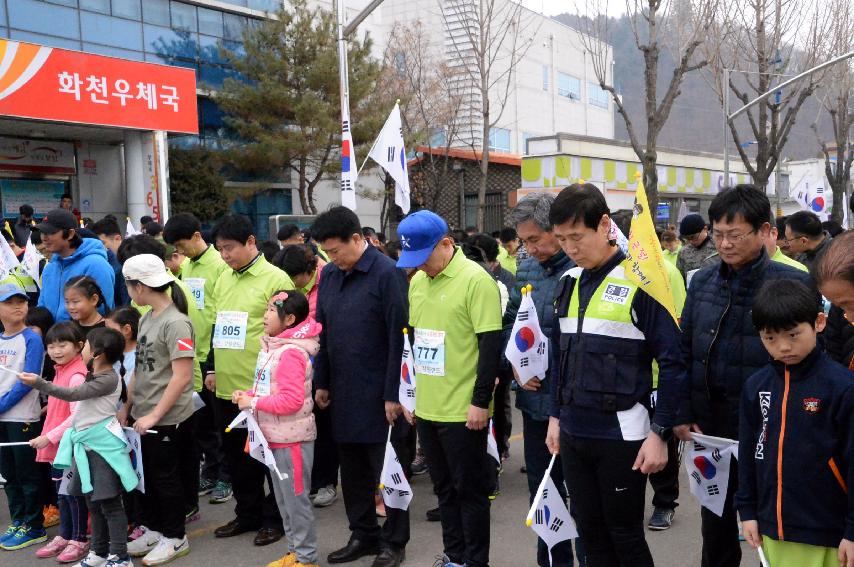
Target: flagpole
762 557
348 197
530 519
385 457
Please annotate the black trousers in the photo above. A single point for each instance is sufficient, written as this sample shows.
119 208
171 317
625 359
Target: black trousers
607 500
537 457
165 457
190 471
665 483
361 466
22 473
324 472
209 439
460 471
254 507
721 547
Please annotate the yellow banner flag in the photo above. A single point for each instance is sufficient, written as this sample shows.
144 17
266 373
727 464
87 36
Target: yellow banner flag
645 260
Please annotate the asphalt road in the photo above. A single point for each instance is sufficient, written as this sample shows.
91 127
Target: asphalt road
513 545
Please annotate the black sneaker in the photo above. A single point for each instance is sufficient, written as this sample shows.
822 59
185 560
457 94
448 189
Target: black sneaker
433 515
661 519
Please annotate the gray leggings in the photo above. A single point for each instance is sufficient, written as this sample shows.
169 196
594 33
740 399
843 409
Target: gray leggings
297 511
109 527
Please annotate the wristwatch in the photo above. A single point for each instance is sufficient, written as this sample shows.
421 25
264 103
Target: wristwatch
664 432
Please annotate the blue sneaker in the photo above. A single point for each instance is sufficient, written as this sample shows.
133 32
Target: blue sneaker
10 531
24 537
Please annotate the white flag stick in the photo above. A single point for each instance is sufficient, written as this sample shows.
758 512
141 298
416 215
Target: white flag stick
762 558
385 458
14 444
9 370
237 421
529 520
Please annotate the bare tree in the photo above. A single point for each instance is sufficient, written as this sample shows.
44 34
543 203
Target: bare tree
487 39
414 72
677 25
767 42
835 93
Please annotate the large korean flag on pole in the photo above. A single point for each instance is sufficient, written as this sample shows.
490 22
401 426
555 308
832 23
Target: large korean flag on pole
528 349
548 516
406 390
708 465
395 488
388 151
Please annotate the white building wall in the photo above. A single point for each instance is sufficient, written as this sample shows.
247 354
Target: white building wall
101 186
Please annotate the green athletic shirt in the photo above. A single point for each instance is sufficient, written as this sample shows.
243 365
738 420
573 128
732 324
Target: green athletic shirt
460 302
200 275
783 259
247 291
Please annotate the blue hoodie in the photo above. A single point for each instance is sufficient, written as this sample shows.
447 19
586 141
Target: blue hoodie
90 259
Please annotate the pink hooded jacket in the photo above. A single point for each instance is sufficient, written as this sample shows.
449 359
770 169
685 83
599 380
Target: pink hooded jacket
285 414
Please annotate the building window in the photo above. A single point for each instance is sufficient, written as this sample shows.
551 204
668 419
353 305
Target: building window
183 16
102 6
499 139
597 96
568 86
438 138
546 74
156 12
127 9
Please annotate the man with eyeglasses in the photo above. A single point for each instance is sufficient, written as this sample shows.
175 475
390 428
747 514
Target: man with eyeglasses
721 347
700 251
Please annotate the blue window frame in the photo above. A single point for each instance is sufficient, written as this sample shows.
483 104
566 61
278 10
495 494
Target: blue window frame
596 96
116 32
568 86
499 139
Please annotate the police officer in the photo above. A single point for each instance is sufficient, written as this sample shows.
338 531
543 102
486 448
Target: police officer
610 331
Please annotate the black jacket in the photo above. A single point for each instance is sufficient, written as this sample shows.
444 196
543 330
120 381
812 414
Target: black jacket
798 419
721 347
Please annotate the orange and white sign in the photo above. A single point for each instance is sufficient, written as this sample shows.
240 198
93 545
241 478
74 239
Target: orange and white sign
48 83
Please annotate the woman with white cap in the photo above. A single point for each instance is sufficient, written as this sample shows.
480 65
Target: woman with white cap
161 399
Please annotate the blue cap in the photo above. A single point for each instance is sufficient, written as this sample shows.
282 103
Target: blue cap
8 290
419 234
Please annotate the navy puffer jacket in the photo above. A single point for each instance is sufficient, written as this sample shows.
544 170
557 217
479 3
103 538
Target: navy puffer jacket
544 277
721 347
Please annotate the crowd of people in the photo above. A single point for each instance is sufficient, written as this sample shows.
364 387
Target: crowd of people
170 334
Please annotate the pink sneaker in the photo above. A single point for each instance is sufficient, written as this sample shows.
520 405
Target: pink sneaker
52 549
73 552
137 533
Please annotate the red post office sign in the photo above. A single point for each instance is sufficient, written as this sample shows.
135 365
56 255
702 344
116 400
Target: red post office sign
48 83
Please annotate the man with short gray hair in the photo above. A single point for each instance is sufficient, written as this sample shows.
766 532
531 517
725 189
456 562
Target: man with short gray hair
545 264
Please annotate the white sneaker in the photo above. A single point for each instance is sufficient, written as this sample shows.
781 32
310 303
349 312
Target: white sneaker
114 561
167 549
325 496
92 560
144 543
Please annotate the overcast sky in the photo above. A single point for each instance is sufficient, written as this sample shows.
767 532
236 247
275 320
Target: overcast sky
554 7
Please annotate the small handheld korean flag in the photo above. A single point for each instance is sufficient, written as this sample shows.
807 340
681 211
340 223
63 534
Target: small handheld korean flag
395 488
389 153
131 230
708 465
492 443
238 421
8 260
31 262
548 516
259 449
134 449
406 391
528 349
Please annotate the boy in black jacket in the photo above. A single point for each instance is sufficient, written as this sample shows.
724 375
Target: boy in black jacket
796 438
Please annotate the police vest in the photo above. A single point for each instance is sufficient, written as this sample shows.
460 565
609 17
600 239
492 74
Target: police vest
605 362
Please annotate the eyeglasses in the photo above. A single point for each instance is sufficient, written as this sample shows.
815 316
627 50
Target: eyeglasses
732 238
789 241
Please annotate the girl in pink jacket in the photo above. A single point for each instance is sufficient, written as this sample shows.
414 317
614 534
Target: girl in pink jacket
64 343
281 401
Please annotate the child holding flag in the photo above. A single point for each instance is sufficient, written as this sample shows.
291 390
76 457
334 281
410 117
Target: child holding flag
94 446
282 399
796 431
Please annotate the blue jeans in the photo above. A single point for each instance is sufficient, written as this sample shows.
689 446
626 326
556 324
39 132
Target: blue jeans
537 459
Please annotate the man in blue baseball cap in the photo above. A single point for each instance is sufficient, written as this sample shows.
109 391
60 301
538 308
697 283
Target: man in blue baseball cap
455 311
424 230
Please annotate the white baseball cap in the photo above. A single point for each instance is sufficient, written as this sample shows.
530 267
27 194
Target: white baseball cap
147 269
